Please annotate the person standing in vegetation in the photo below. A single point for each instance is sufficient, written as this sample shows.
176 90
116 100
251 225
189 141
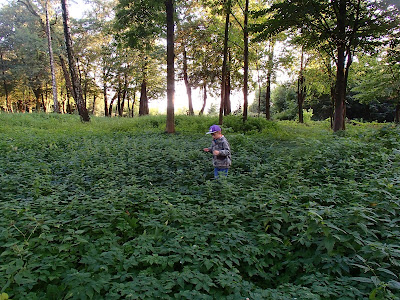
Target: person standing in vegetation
220 150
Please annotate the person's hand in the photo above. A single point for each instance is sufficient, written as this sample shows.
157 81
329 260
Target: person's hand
206 150
216 152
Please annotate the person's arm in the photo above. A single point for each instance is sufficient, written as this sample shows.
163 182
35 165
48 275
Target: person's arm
225 151
208 149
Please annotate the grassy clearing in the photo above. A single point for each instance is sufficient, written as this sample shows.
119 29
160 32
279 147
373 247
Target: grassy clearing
117 209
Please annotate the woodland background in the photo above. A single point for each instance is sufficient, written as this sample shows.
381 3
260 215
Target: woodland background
338 57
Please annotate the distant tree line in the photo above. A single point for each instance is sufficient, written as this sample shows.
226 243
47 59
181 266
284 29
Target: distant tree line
341 57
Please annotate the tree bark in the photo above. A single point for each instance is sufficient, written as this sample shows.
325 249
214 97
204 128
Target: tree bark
124 92
44 103
56 107
204 98
187 84
224 62
3 67
227 93
169 6
94 104
270 66
72 66
119 91
144 102
340 88
246 61
111 105
68 83
133 104
268 98
105 93
37 92
301 88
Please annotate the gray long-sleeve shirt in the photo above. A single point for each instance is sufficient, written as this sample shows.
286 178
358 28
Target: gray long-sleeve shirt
223 160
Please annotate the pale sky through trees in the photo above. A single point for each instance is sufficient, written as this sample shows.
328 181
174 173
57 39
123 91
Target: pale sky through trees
77 9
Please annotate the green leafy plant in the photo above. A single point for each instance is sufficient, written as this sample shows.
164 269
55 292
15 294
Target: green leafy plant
116 209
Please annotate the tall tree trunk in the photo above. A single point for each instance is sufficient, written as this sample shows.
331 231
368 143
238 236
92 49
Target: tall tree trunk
124 92
119 97
268 97
338 121
227 93
187 84
169 6
340 88
332 111
270 66
68 84
111 105
94 104
259 88
227 4
72 66
397 113
246 61
3 69
301 88
204 98
44 103
133 103
56 107
144 102
105 94
38 93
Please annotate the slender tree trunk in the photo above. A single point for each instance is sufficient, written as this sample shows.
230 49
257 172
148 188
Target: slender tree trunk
397 113
62 102
227 93
124 92
187 84
224 62
129 105
268 98
111 105
246 61
44 103
72 66
169 6
3 67
270 66
301 89
144 102
94 104
105 93
68 83
204 98
259 89
133 104
119 97
38 93
56 107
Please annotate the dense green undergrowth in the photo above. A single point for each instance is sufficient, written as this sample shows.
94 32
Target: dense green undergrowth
117 209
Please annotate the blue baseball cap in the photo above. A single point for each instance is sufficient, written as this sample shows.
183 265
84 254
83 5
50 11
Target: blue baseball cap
213 129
